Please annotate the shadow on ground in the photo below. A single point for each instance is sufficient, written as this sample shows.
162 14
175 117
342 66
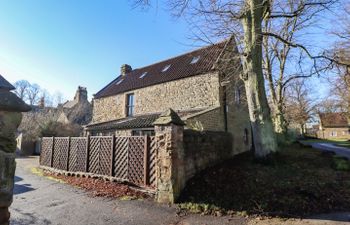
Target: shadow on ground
21 188
296 182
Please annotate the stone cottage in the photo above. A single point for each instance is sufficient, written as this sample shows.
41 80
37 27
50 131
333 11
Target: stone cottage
76 113
334 126
202 86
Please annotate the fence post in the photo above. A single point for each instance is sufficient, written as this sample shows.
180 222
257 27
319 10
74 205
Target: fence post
112 155
52 150
146 162
68 153
87 153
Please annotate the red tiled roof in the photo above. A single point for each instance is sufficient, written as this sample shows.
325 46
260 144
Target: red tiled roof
334 119
180 67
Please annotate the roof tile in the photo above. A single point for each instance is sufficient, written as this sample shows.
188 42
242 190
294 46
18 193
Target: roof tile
181 67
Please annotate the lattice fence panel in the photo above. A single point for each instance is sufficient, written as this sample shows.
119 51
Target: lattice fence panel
105 151
121 157
153 157
60 156
77 157
94 159
136 160
46 151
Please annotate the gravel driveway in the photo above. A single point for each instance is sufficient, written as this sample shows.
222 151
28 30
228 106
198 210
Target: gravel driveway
39 200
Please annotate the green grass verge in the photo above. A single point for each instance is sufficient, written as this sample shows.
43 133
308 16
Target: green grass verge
296 181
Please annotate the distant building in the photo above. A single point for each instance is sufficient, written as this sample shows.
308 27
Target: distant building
76 112
334 126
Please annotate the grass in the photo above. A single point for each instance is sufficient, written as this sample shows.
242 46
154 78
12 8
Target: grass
297 181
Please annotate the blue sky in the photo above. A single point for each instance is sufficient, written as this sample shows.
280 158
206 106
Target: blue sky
62 44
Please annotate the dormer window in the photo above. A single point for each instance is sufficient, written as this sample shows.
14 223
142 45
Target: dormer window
166 68
143 75
119 81
195 59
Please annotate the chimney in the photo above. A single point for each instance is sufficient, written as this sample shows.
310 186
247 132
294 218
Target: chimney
81 94
124 69
42 102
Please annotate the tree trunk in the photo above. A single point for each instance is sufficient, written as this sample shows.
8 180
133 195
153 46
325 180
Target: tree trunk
279 120
259 112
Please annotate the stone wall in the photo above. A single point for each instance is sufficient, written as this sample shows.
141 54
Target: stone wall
209 120
189 93
204 149
342 133
183 153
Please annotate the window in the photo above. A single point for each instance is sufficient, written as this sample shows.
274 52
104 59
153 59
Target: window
166 68
333 134
195 59
143 133
130 105
119 81
237 95
143 75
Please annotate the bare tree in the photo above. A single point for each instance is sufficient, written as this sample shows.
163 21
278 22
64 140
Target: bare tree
46 98
300 106
57 98
340 81
282 62
329 105
33 94
244 19
21 90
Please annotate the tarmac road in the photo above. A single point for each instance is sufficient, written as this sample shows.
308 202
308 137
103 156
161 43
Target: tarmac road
41 201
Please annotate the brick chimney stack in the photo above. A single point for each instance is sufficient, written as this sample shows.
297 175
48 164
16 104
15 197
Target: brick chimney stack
124 69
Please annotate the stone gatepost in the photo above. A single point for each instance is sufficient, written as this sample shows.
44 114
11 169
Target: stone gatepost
170 164
10 117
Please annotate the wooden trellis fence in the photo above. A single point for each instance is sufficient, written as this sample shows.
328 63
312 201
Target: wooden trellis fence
129 158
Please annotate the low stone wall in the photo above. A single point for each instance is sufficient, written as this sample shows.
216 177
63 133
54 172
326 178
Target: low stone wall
204 149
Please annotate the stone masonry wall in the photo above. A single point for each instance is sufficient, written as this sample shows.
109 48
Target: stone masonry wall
193 92
212 120
342 133
204 149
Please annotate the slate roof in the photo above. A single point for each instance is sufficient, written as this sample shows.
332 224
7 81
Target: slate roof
139 121
334 119
180 67
142 121
4 84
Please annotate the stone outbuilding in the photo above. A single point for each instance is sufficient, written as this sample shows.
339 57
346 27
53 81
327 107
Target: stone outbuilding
334 126
74 113
202 86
